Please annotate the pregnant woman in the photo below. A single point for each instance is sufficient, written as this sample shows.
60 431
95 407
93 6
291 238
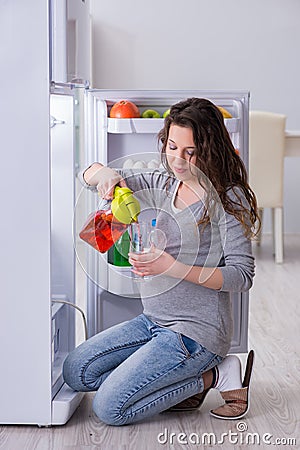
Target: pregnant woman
175 351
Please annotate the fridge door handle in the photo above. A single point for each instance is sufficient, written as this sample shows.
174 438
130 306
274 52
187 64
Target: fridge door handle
54 121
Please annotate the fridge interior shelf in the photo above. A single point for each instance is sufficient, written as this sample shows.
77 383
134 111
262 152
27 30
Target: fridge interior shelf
134 125
121 282
127 126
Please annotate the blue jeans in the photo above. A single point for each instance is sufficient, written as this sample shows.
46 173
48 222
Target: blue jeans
138 369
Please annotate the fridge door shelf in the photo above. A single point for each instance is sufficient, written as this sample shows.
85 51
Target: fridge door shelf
60 340
64 404
127 126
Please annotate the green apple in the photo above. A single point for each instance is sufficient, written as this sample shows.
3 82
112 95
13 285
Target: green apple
151 114
166 113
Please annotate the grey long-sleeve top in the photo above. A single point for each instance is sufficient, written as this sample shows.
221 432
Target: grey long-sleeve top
200 313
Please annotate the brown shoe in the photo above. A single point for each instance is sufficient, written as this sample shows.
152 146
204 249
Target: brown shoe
191 403
237 401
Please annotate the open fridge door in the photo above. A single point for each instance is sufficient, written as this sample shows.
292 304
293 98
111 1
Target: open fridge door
63 151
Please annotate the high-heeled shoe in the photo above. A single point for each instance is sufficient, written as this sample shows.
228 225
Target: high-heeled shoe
237 401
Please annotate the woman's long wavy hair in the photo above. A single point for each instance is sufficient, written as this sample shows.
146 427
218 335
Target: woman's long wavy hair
216 158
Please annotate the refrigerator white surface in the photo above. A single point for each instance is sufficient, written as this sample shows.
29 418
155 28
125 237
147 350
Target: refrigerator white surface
25 332
70 40
32 345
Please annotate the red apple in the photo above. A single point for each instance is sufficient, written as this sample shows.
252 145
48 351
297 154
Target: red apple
124 109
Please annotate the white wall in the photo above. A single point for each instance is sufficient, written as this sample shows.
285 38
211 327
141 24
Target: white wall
200 44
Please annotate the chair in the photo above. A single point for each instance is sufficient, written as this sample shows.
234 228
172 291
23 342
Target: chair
266 160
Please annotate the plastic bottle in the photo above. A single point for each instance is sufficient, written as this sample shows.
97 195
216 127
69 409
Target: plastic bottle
120 251
104 227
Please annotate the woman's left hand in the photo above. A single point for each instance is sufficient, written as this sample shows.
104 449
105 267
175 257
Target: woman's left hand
154 262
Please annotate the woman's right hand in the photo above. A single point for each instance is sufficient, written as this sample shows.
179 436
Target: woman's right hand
104 178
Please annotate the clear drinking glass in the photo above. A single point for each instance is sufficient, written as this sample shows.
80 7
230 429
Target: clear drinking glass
142 236
139 241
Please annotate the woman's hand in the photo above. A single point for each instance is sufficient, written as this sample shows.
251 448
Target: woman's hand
157 262
154 262
104 178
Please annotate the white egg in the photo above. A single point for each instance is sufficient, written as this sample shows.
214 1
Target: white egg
139 165
128 163
153 164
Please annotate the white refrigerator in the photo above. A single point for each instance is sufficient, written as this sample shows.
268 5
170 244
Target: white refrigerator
50 131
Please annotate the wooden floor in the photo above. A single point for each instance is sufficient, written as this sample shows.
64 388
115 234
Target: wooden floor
275 400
